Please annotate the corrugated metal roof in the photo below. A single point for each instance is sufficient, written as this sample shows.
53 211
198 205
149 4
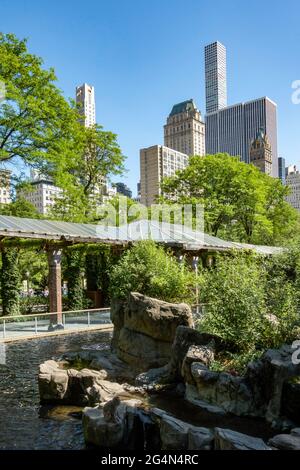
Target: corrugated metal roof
160 232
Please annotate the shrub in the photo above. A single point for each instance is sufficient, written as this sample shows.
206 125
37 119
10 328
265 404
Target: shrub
234 290
253 301
150 270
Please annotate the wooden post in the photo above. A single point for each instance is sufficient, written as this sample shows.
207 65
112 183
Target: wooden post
55 294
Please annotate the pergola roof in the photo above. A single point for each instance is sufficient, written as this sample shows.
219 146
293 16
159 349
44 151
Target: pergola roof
160 232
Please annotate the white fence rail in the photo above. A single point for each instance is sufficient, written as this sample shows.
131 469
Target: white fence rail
39 324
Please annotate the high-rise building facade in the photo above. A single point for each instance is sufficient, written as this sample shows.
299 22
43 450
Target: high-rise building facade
185 129
281 169
5 186
156 163
293 182
85 100
215 77
233 129
42 195
261 153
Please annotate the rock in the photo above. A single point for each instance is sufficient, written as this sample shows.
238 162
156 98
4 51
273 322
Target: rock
145 329
295 432
285 442
226 439
117 313
53 382
191 395
200 439
154 378
201 354
185 338
98 431
118 425
173 433
72 387
291 399
141 351
156 318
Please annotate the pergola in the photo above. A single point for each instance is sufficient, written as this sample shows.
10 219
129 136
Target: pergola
57 235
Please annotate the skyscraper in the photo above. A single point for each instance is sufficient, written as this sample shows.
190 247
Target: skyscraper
293 182
185 129
215 77
156 163
233 129
281 169
85 99
261 153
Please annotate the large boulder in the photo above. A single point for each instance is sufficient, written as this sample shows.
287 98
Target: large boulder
225 439
229 393
73 387
185 338
120 425
141 351
179 435
285 442
145 328
291 399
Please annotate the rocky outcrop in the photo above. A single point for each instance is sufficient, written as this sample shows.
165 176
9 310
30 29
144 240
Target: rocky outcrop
225 439
179 435
72 387
285 442
145 328
128 425
270 387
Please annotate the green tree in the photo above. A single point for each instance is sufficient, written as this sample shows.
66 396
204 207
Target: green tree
240 202
10 281
20 208
150 270
73 270
36 122
95 156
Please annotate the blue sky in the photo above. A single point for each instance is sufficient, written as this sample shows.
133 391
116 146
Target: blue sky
144 56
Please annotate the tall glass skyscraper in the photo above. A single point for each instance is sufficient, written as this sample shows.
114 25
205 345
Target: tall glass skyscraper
233 129
215 77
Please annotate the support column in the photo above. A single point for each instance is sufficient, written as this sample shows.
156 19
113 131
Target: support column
55 294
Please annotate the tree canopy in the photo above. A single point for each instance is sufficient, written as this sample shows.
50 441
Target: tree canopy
36 122
240 202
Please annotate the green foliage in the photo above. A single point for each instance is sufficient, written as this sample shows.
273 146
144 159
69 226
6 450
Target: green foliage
29 304
235 363
73 273
94 156
10 281
36 122
253 301
234 290
150 270
20 208
34 263
240 202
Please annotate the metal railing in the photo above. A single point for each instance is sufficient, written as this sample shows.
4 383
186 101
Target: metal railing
38 324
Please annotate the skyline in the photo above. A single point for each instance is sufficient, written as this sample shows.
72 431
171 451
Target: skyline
144 59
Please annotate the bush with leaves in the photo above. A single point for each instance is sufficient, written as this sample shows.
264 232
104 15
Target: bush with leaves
150 270
234 290
253 301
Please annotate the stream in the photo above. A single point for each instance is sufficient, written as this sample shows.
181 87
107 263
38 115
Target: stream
26 425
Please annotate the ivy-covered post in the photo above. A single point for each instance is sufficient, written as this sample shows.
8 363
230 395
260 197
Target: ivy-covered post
10 281
73 274
55 294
